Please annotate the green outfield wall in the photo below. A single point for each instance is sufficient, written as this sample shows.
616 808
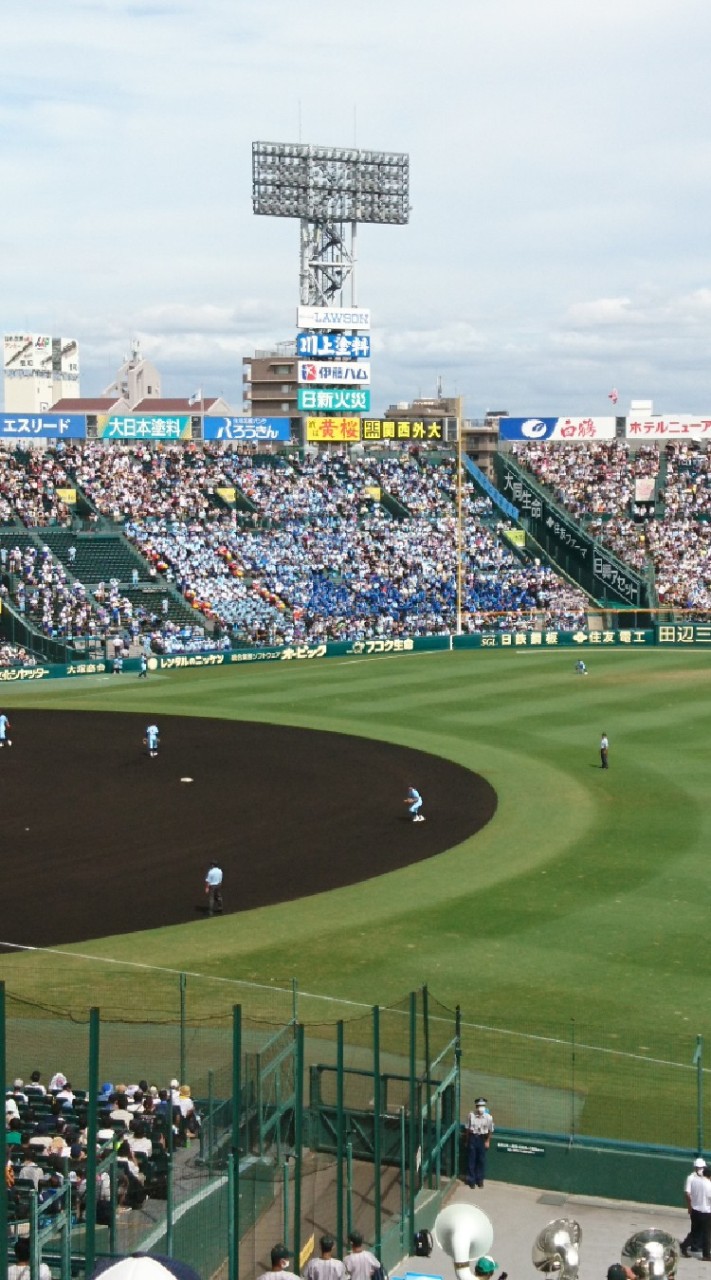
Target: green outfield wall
670 635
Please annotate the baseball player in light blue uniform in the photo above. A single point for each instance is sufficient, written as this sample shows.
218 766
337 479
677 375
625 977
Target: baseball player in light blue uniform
152 739
4 730
414 800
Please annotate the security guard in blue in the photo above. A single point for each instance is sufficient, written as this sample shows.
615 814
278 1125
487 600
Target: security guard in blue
480 1127
151 739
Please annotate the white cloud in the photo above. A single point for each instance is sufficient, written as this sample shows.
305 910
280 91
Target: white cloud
560 161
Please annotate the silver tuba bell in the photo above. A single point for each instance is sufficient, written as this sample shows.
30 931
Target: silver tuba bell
652 1254
465 1233
556 1248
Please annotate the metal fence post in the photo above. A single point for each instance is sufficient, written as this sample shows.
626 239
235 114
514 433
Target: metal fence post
3 1143
169 1188
339 1137
699 1063
427 1126
572 1079
232 1241
457 1087
183 1003
91 1141
412 1130
286 1231
377 1145
298 1141
349 1186
210 1115
403 1179
236 1119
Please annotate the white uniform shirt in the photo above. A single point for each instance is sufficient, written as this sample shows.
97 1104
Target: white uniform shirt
480 1123
698 1189
324 1269
361 1265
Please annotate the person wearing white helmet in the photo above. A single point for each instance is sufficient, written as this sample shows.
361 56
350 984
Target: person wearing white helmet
697 1193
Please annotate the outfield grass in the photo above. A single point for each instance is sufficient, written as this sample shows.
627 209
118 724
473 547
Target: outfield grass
585 899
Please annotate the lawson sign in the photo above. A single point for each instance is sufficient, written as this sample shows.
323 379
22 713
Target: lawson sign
250 429
563 430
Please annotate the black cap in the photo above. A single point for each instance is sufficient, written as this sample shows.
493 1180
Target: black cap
355 1238
279 1253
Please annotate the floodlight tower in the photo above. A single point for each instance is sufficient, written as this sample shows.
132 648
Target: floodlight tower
331 190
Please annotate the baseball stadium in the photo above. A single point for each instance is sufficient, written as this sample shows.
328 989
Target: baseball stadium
314 629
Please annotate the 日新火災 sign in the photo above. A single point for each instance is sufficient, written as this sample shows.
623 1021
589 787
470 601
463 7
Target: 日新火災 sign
340 400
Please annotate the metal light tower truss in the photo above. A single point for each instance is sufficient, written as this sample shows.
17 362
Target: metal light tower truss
331 190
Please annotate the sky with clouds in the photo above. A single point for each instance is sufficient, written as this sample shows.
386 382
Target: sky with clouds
560 182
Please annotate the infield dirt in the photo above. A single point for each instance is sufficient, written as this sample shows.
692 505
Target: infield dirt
99 839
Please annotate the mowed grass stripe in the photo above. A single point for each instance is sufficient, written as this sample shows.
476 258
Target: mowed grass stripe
581 900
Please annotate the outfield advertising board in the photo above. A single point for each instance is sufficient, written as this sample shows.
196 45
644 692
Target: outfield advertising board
629 638
569 430
337 400
345 430
250 429
43 426
141 427
685 633
681 426
416 429
340 346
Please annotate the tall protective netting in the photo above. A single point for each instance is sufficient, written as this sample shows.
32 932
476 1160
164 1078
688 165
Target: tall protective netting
316 1116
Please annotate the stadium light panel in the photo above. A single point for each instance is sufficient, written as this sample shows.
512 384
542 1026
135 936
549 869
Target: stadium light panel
330 184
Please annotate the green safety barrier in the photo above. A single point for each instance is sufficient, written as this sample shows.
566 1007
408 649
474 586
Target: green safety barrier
600 573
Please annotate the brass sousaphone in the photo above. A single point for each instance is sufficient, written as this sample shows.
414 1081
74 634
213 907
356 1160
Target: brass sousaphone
652 1254
556 1249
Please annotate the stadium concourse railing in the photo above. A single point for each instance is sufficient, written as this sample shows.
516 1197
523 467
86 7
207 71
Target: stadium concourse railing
350 1122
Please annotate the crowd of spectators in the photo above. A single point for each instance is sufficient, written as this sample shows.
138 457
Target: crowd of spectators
47 1140
15 655
597 484
324 560
313 554
39 587
28 488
